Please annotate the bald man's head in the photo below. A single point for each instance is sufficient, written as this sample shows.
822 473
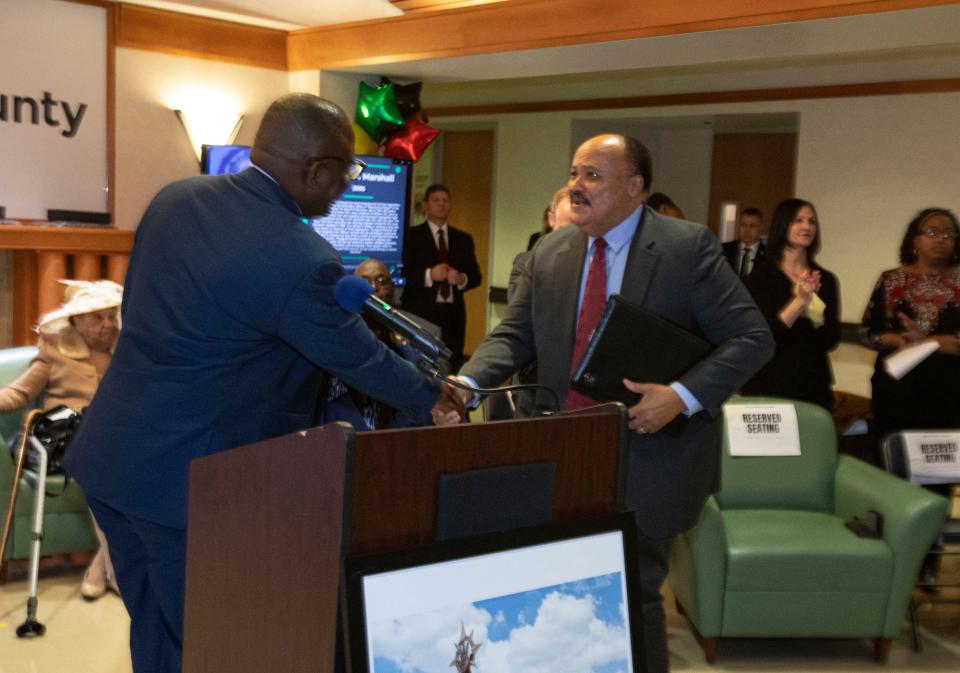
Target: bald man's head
608 176
377 274
306 143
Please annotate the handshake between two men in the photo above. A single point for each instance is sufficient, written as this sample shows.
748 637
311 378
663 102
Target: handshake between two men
658 405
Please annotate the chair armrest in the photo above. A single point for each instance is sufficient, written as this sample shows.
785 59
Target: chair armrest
912 517
6 471
698 570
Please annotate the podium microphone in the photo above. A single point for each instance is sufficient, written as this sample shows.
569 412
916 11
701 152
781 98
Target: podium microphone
354 294
514 387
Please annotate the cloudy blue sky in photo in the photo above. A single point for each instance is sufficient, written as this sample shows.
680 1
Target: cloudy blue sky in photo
568 628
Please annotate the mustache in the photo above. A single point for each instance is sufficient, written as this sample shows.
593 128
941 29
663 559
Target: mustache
576 196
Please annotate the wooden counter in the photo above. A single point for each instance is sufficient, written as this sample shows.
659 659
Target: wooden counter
45 254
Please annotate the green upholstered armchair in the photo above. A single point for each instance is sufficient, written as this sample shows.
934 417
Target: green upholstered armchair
66 520
771 556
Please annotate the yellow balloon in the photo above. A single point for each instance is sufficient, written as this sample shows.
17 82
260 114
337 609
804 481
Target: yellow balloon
362 143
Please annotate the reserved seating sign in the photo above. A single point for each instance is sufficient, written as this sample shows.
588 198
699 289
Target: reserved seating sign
762 429
933 457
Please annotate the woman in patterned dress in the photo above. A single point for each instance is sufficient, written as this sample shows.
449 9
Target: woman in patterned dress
918 300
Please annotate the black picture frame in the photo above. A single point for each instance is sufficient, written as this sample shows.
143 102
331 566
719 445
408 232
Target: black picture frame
356 568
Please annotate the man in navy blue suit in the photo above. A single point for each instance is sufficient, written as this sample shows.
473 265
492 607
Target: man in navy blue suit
229 323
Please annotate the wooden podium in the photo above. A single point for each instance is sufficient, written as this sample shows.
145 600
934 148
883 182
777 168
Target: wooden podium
269 522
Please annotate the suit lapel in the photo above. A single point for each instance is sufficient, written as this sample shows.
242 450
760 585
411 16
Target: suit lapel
427 245
642 260
566 287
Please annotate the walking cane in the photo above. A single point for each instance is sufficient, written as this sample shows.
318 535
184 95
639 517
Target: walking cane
17 474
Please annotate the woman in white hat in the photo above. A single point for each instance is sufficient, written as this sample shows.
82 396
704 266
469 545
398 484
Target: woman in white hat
75 345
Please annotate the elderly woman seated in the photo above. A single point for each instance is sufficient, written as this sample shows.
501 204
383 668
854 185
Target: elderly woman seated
75 345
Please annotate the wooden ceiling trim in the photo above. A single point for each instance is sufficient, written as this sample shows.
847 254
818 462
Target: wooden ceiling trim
95 3
409 6
532 24
708 97
200 37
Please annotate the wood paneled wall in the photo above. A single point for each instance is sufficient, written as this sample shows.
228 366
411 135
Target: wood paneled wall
534 24
199 37
468 172
893 88
43 255
756 169
441 28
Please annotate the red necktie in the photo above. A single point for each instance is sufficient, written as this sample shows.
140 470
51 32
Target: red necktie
444 257
594 299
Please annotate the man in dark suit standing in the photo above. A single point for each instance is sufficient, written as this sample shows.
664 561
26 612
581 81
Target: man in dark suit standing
673 268
229 314
744 253
440 265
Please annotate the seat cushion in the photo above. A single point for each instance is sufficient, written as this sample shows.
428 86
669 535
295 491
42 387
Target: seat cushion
791 551
59 499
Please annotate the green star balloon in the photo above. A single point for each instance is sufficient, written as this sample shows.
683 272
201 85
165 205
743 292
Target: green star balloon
377 110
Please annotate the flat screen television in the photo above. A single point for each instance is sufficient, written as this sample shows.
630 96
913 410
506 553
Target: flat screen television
368 220
557 598
219 159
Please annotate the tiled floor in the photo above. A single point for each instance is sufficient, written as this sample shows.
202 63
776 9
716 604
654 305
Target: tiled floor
92 638
81 637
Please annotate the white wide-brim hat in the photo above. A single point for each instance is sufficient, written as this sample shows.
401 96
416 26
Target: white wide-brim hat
81 296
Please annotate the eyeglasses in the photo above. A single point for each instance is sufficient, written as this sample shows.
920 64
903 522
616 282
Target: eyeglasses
380 281
936 233
353 167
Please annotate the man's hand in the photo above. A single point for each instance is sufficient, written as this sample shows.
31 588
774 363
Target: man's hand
438 272
453 276
659 405
450 408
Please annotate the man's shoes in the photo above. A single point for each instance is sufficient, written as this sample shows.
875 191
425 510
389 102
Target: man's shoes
92 588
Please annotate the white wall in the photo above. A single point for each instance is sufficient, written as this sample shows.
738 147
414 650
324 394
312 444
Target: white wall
869 164
55 52
531 167
152 148
684 172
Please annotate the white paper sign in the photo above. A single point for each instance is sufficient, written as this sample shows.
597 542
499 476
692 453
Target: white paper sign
53 107
762 429
933 457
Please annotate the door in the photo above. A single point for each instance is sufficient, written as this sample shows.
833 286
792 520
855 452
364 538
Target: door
757 170
467 169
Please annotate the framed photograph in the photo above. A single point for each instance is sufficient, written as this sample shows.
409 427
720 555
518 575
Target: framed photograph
558 598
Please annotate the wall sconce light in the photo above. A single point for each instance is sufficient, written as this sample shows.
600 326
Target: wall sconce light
208 126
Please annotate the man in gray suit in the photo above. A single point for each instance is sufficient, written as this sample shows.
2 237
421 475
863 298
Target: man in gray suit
673 268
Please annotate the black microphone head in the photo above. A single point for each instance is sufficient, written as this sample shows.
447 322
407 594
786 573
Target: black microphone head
350 293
